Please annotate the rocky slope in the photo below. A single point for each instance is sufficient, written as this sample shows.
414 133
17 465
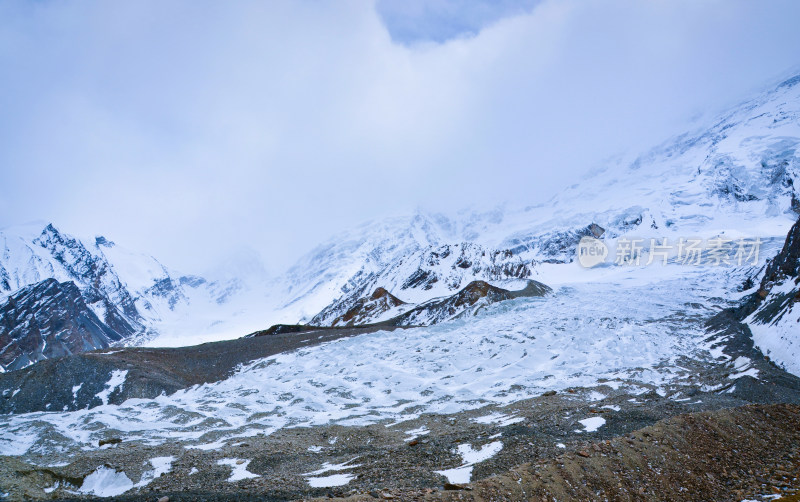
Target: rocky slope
597 439
736 454
132 296
380 304
51 319
45 271
86 380
775 317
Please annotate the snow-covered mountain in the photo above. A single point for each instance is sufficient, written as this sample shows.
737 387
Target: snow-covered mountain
123 297
737 177
51 319
423 274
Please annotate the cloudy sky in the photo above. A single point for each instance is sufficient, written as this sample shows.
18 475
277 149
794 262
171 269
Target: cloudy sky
188 129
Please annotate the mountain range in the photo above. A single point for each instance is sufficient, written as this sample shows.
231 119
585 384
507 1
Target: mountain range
737 178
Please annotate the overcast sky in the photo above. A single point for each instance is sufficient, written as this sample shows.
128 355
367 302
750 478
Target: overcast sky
187 129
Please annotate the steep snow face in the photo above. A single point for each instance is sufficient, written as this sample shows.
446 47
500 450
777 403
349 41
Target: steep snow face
740 173
737 177
28 259
775 322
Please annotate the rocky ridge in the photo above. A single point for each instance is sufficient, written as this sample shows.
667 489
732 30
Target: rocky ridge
51 319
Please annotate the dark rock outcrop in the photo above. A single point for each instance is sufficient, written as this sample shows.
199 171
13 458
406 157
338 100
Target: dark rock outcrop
91 305
786 264
767 322
51 319
101 283
470 299
770 305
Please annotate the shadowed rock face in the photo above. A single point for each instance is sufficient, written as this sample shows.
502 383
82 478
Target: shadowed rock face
50 319
771 315
771 302
104 287
91 306
787 263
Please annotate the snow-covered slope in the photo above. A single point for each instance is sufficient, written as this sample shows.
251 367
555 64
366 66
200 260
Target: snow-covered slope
736 177
510 351
133 295
775 322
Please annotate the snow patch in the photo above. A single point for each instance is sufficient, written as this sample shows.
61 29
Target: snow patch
327 467
114 383
470 456
161 465
238 469
499 419
591 424
106 482
596 396
415 433
338 479
329 481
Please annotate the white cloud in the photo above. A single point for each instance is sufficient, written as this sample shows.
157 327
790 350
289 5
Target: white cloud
185 129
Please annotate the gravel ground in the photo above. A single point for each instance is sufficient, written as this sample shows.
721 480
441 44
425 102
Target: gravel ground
746 453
